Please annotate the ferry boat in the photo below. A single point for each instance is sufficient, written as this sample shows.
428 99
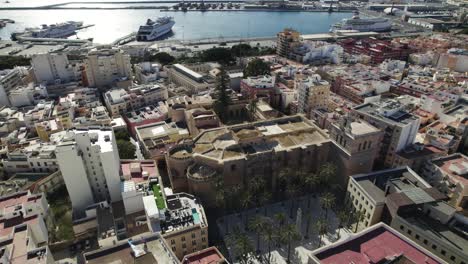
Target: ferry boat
378 24
155 29
60 30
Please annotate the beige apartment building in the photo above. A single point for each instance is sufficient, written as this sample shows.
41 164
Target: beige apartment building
285 40
106 66
313 93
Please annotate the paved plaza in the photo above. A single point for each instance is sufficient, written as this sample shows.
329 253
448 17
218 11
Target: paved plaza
301 248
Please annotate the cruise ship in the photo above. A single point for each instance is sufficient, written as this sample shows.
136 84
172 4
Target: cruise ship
379 24
60 30
155 29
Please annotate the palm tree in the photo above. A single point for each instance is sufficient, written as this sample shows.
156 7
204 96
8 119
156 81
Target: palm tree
263 199
327 172
269 236
343 217
321 227
327 201
292 190
220 200
284 177
242 245
289 234
257 224
245 202
280 219
309 220
358 217
310 181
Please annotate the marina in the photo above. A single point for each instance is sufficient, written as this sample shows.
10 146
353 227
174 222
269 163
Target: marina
110 25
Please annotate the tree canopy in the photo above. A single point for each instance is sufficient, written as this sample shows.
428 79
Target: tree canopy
221 55
222 98
163 58
256 67
9 62
126 149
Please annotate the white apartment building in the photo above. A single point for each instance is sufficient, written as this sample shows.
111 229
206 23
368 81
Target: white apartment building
53 68
392 117
9 79
90 165
313 93
38 157
27 95
119 100
106 66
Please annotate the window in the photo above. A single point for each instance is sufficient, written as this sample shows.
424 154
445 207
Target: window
193 235
174 249
434 247
417 236
203 239
443 252
194 242
203 232
233 167
183 238
425 241
452 258
184 246
409 232
402 227
172 241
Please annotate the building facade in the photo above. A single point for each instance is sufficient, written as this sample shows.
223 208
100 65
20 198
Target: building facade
90 165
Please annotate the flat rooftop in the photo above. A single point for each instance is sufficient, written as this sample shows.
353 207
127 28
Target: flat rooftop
160 130
205 256
238 141
138 170
377 244
399 180
122 253
455 166
441 232
389 111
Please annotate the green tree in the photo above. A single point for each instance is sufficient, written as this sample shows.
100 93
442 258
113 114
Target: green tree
221 201
9 62
242 245
163 57
358 216
126 149
327 173
246 202
221 55
269 236
292 190
280 219
122 134
327 201
252 108
241 50
257 67
321 228
257 224
310 183
222 98
289 234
